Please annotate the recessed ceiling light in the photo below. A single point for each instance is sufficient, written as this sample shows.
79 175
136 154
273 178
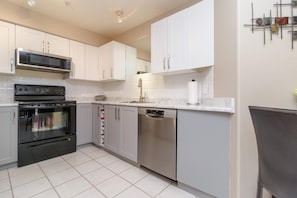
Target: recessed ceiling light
31 3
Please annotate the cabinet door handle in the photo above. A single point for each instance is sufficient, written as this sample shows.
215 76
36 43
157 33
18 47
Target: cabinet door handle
11 64
72 70
14 117
164 59
115 114
43 46
119 118
168 63
48 47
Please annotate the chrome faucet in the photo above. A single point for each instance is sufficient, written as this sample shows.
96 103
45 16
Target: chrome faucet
141 98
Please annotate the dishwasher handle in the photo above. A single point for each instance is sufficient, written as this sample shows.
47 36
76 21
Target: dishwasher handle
155 113
151 115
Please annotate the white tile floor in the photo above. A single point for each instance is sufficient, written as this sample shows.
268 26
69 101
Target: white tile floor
88 173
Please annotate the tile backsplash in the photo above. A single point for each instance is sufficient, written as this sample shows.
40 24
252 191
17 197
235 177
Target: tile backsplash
158 86
154 86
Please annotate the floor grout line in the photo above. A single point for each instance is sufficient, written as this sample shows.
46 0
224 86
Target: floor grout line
84 172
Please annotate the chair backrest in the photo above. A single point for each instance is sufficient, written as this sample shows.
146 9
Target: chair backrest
276 135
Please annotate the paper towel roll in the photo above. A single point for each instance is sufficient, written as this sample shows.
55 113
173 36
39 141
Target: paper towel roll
193 92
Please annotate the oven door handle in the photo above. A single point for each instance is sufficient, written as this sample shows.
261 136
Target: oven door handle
52 142
45 107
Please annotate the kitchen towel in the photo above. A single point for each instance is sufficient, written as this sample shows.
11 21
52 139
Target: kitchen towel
193 97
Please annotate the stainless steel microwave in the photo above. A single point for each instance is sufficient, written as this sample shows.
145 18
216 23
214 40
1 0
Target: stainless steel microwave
31 60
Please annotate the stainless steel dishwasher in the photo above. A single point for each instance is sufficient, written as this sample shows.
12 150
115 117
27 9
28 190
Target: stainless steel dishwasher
157 140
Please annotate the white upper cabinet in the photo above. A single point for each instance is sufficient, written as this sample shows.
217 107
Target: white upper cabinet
7 48
35 40
57 45
85 61
131 60
184 41
178 41
78 64
112 61
159 53
92 63
201 34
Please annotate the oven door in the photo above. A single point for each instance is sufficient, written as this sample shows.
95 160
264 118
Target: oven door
41 122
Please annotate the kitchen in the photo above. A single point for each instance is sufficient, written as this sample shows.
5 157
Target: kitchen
234 76
146 78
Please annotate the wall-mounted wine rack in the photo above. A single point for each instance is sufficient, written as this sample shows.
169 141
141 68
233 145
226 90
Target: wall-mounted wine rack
276 25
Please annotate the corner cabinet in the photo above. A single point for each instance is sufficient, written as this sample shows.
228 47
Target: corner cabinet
84 123
8 135
112 61
92 63
203 153
121 131
85 61
35 40
7 49
78 64
185 40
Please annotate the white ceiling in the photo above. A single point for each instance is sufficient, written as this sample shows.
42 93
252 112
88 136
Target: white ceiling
99 15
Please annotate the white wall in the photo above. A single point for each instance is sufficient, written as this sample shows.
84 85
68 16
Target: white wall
267 77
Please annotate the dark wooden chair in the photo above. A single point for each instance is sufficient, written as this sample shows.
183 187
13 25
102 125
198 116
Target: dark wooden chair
276 135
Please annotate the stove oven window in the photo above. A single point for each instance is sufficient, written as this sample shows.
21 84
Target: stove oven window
45 123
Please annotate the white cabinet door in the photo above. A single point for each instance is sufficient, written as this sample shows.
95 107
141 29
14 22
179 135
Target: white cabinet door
118 66
178 41
104 64
112 128
78 66
92 63
57 45
185 40
8 135
131 60
30 39
112 61
202 35
35 40
7 49
159 45
84 123
170 43
129 132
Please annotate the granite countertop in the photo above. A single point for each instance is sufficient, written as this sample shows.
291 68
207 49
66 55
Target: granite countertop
226 105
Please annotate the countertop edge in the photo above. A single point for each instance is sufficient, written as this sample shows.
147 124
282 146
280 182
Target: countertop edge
9 104
168 106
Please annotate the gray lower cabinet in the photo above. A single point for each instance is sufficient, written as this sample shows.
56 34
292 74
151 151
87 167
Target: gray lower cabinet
112 128
8 135
203 153
84 113
121 126
129 132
